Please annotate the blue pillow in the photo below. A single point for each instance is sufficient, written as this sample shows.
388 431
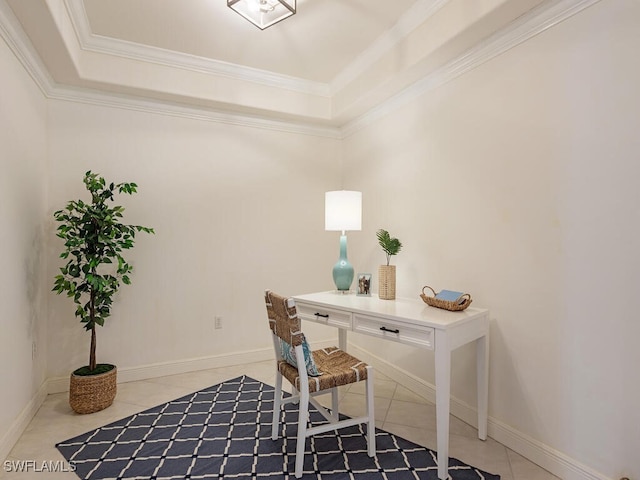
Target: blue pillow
289 355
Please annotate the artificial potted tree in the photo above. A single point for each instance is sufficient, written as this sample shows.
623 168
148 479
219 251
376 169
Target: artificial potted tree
94 239
387 273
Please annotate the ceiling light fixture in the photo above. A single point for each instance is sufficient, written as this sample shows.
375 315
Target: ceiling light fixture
263 13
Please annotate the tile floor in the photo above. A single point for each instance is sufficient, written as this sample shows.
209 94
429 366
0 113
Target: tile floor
398 410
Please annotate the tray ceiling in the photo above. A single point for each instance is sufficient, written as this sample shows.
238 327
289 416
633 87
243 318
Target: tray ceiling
330 63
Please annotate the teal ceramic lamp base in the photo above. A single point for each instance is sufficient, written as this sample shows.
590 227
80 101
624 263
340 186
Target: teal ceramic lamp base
343 270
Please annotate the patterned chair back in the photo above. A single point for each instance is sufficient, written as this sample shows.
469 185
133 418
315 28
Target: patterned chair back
283 319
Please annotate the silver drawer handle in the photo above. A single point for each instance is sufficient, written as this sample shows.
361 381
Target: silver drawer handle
385 329
321 315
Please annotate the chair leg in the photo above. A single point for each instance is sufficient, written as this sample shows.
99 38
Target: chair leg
334 404
371 424
277 405
303 417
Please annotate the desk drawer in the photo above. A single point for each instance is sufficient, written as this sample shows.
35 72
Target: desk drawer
323 315
415 335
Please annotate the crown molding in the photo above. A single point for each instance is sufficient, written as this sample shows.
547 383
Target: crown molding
536 21
161 107
419 13
14 36
410 20
110 46
529 25
12 33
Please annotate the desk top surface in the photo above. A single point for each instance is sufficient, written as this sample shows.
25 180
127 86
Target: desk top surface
413 310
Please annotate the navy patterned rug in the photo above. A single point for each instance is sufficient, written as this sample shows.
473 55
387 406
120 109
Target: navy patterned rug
224 432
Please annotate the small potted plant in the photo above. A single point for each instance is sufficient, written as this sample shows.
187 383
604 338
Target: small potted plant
94 239
387 273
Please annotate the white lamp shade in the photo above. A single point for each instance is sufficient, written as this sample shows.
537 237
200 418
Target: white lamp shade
343 210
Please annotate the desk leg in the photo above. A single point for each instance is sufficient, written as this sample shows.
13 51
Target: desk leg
443 397
342 339
482 361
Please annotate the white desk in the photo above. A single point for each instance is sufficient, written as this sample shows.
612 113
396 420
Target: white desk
412 322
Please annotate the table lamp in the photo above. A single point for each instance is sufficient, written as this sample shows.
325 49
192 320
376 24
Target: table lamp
342 212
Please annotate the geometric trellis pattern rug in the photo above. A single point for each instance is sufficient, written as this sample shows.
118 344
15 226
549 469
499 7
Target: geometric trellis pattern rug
224 432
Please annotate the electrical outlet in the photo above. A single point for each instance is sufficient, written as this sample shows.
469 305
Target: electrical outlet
34 350
218 323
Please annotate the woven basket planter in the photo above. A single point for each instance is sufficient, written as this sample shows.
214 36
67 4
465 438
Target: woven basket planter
387 282
92 393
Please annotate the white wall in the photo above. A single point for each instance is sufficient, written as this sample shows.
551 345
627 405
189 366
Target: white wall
23 138
518 182
236 210
515 182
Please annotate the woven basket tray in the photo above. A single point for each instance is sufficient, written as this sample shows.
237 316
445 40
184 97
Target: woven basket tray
436 302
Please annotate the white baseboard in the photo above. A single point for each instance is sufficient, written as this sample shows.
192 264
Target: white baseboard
144 372
556 462
548 458
17 428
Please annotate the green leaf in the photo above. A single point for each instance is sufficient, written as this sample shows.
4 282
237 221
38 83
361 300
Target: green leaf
391 246
93 236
